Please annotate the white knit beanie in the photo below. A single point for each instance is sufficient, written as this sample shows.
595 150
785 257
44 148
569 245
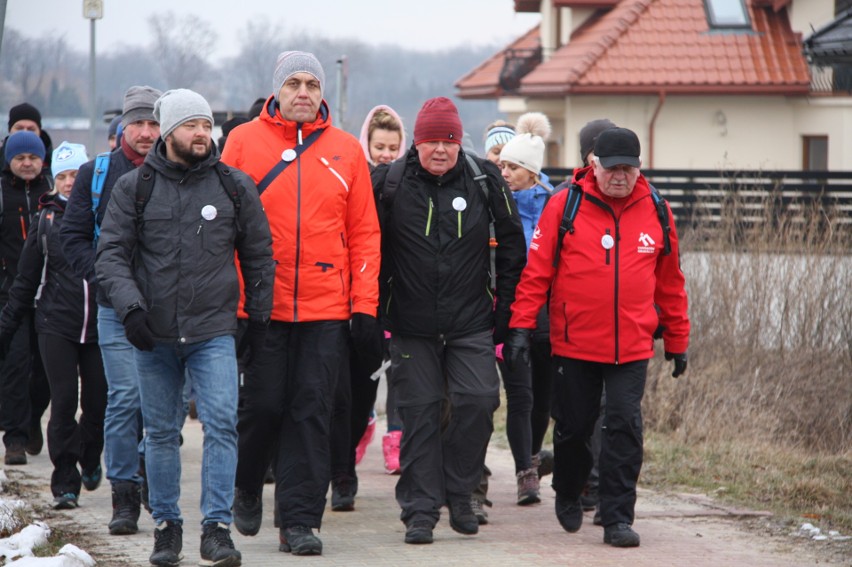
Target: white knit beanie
178 106
526 149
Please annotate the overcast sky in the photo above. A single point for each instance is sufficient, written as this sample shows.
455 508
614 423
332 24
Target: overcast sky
424 25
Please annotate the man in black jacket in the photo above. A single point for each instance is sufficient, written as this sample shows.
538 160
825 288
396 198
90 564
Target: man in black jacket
83 216
444 320
169 271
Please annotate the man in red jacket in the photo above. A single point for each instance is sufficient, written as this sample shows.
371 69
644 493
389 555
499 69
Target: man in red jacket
610 271
316 190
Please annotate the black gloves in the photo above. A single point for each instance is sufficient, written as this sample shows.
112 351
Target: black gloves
516 348
252 341
679 363
6 336
367 334
137 330
501 325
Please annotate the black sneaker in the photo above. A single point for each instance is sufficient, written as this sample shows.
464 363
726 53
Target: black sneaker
168 543
125 508
299 540
621 535
418 532
462 518
248 512
569 513
478 507
217 548
343 490
543 461
92 479
67 501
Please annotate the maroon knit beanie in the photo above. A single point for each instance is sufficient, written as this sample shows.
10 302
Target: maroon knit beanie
438 120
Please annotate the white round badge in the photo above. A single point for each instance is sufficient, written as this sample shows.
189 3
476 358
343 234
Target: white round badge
607 241
209 212
459 204
288 155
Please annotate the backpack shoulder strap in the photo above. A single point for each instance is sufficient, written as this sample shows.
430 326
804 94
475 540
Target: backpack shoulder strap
291 156
232 189
98 178
481 178
663 215
144 188
572 205
396 169
45 221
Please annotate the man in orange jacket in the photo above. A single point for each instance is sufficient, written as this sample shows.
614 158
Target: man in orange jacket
316 190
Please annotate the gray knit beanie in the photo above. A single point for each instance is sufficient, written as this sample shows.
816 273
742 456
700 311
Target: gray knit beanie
178 106
291 62
138 104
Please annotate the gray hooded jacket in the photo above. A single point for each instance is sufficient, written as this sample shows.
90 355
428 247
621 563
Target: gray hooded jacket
179 264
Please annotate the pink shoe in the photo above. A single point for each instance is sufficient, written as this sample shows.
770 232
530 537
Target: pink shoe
366 439
390 447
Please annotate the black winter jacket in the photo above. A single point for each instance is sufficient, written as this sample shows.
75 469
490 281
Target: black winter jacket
78 226
20 203
178 265
65 306
436 264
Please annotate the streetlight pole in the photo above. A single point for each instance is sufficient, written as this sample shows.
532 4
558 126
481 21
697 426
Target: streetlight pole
92 10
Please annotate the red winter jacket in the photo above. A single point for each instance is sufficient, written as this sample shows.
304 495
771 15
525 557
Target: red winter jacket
602 301
322 215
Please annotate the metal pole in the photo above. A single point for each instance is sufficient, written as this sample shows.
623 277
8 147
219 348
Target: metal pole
92 98
2 22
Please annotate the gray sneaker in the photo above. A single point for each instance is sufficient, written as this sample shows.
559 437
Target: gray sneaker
621 535
299 540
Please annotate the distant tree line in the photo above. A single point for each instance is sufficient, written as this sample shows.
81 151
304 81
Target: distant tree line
53 75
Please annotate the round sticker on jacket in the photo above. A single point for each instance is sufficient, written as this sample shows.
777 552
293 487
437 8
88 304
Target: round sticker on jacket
288 154
459 204
209 212
607 241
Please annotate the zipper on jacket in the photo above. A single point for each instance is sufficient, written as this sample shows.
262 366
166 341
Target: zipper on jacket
298 226
607 249
565 315
429 217
617 240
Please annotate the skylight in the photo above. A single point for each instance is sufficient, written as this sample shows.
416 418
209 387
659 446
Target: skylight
727 13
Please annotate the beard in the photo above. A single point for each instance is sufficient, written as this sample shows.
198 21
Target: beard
191 153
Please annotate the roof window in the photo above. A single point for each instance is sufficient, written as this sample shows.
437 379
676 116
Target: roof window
727 13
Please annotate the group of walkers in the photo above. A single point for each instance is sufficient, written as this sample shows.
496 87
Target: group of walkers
273 283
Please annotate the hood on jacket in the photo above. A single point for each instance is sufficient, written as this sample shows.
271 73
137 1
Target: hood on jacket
51 201
365 128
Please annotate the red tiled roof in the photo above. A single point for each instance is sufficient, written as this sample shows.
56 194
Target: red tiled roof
645 46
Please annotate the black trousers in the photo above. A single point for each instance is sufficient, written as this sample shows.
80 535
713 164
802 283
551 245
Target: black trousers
286 403
70 441
519 403
441 463
541 362
576 404
24 391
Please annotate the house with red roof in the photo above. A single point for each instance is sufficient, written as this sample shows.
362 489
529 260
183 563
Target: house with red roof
706 84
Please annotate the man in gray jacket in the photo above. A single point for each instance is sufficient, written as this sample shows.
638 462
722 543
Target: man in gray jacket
166 260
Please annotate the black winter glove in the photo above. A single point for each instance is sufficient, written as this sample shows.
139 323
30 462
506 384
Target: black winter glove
516 348
367 334
679 363
137 330
501 325
252 341
6 336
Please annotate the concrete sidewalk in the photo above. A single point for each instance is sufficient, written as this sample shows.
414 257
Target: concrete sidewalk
675 530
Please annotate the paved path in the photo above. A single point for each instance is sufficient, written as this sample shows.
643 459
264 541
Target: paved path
675 530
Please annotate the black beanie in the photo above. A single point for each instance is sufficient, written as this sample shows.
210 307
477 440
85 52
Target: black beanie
24 111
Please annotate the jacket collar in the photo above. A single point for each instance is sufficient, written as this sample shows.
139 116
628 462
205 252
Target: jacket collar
157 159
271 115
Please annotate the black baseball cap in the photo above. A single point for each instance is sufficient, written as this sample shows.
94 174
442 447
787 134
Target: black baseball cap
618 146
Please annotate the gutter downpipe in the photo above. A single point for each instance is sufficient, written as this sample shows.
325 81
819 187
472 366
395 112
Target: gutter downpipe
660 101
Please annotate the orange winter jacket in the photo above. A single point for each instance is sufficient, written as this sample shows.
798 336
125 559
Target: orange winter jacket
321 212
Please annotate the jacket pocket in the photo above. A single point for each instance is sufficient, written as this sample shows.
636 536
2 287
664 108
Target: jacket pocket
217 235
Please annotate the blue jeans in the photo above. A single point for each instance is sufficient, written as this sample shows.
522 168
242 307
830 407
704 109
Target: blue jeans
162 372
122 421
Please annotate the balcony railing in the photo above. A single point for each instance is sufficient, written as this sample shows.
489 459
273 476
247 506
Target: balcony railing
831 78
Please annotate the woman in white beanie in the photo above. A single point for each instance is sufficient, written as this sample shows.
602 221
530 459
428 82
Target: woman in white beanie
65 321
527 391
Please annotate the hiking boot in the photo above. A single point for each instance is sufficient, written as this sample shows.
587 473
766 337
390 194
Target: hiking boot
543 461
35 440
621 535
478 507
569 513
528 487
343 490
248 512
367 438
67 501
418 532
92 479
390 448
15 455
299 540
125 508
597 519
168 543
217 548
462 518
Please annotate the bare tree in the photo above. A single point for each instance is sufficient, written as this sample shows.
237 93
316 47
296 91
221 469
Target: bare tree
29 64
182 46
